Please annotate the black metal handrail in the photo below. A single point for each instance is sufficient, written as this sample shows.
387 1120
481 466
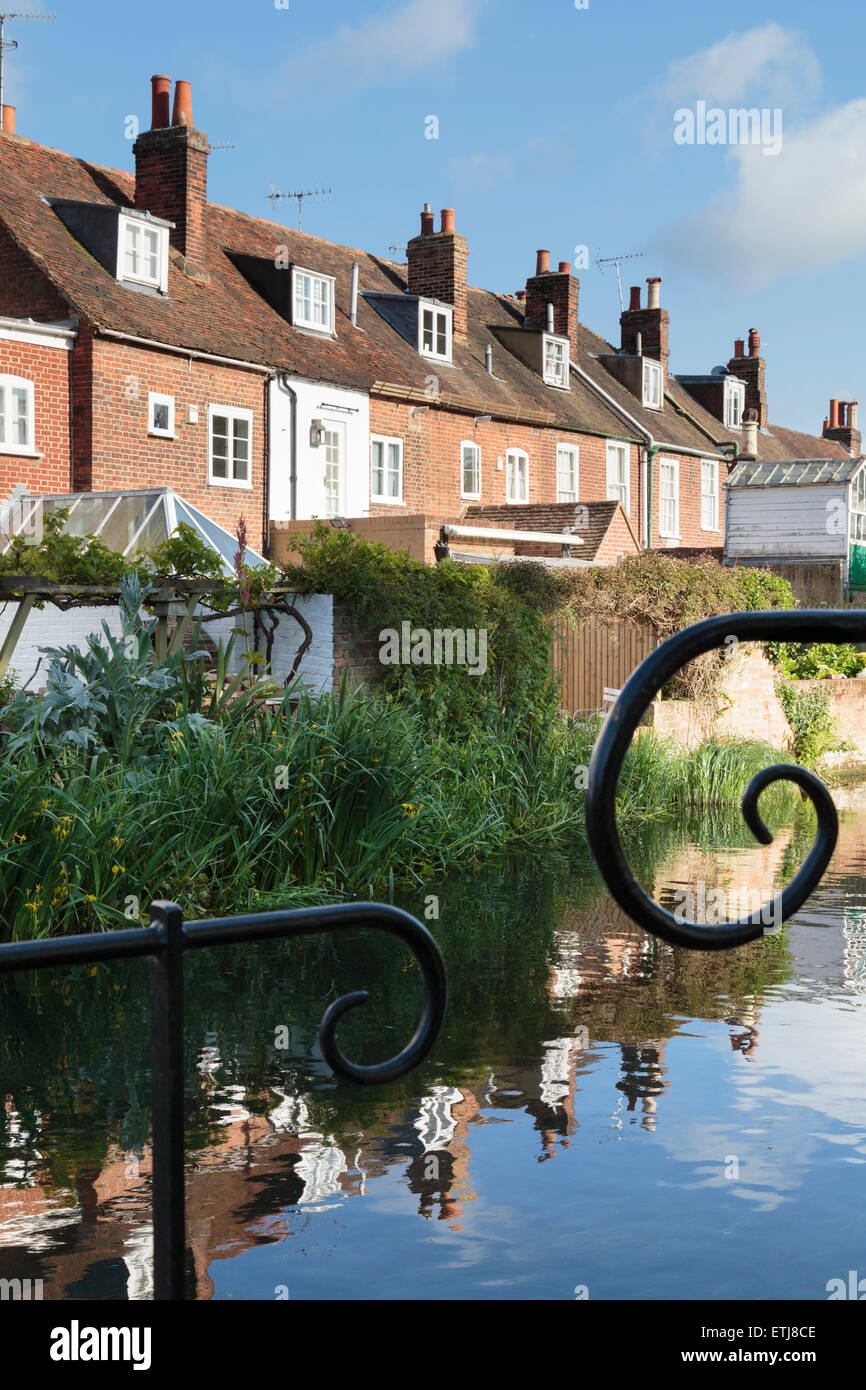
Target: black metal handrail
165 941
806 625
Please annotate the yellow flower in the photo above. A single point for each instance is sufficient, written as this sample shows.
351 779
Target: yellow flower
19 836
91 897
118 869
116 841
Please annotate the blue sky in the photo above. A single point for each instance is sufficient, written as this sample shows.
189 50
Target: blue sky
556 129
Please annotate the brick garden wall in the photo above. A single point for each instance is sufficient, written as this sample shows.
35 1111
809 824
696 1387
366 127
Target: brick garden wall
751 707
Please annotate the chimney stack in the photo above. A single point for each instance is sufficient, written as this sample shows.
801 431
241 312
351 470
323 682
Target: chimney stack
171 173
751 368
842 426
749 448
650 325
437 266
7 120
557 291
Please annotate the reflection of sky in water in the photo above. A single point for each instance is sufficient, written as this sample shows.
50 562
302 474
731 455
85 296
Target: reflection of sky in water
644 1130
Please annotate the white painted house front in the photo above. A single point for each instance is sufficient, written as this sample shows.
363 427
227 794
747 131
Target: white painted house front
319 454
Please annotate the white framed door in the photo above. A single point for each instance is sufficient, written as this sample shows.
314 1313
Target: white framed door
334 453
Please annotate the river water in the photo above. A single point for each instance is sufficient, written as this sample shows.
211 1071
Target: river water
604 1116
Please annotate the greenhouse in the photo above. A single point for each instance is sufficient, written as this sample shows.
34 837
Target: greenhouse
133 521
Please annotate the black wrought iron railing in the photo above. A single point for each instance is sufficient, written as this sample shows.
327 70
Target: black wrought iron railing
165 941
805 625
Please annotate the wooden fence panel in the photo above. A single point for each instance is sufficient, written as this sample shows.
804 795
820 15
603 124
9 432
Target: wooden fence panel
593 657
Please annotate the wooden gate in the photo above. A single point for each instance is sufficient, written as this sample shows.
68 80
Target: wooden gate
593 659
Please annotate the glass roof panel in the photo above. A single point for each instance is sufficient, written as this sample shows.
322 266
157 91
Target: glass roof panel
221 541
123 525
133 521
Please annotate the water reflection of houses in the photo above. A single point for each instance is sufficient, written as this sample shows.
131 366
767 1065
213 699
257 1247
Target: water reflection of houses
274 1162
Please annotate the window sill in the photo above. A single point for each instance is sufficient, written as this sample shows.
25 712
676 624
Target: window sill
229 482
160 434
11 451
470 497
557 385
388 501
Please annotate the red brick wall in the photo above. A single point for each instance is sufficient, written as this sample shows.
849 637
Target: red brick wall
24 290
48 369
124 455
432 469
690 502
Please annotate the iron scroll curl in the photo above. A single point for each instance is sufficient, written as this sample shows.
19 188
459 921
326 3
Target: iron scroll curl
803 625
340 918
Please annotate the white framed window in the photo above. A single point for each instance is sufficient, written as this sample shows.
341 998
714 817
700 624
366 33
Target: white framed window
669 499
435 330
160 415
312 300
555 371
142 253
652 384
516 476
470 469
735 402
386 469
858 508
230 440
618 481
17 427
709 495
567 458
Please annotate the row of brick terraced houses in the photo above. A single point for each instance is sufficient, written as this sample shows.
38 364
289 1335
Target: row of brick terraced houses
149 338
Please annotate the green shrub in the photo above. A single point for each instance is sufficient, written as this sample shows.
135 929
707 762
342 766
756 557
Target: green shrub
812 725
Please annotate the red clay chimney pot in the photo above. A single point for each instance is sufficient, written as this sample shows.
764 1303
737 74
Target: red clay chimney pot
542 262
7 123
428 221
182 113
160 102
754 343
448 220
565 267
834 415
634 298
739 347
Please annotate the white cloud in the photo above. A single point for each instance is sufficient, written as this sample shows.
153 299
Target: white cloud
804 209
772 65
418 35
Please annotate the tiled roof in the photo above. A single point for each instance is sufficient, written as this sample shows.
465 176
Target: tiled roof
226 317
555 517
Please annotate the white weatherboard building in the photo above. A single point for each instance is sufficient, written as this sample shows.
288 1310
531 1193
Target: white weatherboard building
808 511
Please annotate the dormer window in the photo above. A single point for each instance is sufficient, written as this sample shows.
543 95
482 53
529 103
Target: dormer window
652 384
555 369
434 330
735 402
312 300
142 253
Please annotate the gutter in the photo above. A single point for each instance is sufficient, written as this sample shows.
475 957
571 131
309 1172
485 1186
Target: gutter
184 352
